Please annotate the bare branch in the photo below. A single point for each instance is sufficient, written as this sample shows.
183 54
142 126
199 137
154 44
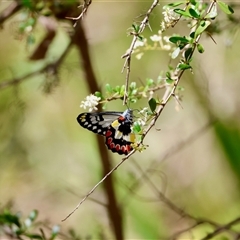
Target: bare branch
222 228
128 54
84 6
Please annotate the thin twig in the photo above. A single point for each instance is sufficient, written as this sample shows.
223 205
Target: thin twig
221 229
94 188
128 54
84 6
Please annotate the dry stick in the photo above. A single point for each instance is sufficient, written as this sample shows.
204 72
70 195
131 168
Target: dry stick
128 54
84 11
102 180
221 229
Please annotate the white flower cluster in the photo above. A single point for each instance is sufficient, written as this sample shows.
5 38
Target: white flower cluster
143 120
169 15
90 102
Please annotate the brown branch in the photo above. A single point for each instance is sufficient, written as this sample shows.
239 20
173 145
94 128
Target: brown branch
84 6
222 228
129 52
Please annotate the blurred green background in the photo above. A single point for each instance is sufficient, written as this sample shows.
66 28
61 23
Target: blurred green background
48 162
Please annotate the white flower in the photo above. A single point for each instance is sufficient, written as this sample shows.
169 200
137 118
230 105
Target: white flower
144 117
90 102
139 56
163 26
169 15
139 43
155 38
141 122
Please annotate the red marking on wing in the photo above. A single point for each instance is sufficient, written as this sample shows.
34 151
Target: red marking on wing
108 133
108 141
121 119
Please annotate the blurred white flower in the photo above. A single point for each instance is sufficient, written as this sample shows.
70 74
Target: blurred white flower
90 102
169 15
139 56
141 122
144 117
139 43
163 26
155 38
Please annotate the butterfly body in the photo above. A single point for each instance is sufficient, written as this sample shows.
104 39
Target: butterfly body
115 126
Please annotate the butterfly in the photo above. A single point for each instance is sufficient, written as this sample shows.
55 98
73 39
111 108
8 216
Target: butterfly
116 127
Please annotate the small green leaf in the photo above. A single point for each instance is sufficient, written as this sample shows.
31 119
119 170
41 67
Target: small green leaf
193 2
109 89
8 218
136 127
203 25
178 40
122 90
193 13
152 104
175 53
98 94
34 236
225 8
184 66
188 54
169 80
200 48
168 75
33 215
133 85
150 82
192 35
176 4
182 13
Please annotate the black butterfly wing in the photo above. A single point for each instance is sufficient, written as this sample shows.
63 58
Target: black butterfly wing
98 122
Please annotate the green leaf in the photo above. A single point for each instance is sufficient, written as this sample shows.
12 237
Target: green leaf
150 82
33 215
133 85
184 66
34 236
200 48
193 2
193 13
136 127
8 218
188 54
98 94
178 40
27 3
175 53
225 8
169 80
203 25
152 104
176 4
109 89
122 90
182 13
168 75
